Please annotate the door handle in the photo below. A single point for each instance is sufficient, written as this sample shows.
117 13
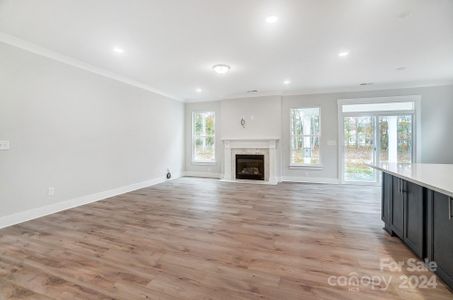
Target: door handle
449 208
401 183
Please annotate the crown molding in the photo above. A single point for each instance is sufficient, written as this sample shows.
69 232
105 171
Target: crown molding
36 49
331 90
375 87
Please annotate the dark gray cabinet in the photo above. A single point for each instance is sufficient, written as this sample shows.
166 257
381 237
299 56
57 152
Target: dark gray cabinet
386 199
403 211
414 218
397 207
440 234
422 219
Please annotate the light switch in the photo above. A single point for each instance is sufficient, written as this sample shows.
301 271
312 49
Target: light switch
51 191
4 145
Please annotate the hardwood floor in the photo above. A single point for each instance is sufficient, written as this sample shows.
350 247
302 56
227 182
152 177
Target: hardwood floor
205 239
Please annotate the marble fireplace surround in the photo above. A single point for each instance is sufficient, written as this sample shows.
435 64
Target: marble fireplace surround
265 146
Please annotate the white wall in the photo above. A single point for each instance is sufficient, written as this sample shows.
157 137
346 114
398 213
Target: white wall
329 131
437 124
197 169
262 117
436 111
78 132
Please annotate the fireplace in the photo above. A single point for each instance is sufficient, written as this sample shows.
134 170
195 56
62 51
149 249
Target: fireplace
266 148
250 166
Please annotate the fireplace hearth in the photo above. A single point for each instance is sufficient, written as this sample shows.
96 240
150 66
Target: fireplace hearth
250 166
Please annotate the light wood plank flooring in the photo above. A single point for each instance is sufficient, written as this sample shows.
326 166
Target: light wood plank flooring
205 239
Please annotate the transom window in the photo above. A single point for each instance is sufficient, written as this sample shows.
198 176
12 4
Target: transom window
305 137
203 137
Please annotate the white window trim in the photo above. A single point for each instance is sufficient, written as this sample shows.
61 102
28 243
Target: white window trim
203 162
319 165
416 127
306 166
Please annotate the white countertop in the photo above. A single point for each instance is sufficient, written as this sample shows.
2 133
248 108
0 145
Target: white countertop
437 177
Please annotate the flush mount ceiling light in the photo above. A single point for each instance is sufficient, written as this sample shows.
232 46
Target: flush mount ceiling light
271 19
198 90
118 50
221 68
287 82
343 53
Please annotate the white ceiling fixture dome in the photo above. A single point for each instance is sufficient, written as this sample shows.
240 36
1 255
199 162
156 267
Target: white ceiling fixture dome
221 68
271 19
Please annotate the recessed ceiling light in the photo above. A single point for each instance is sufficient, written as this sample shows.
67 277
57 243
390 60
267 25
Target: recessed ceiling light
287 82
198 90
271 19
118 50
343 53
221 68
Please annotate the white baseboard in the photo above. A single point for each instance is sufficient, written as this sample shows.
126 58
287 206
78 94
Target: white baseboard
311 179
245 181
202 174
64 205
324 180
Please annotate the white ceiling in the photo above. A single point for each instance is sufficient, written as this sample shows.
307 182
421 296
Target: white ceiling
170 45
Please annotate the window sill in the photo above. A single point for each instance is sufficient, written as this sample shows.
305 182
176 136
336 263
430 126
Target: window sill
204 163
312 167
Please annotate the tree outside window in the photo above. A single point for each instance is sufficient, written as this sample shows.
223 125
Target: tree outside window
305 136
203 137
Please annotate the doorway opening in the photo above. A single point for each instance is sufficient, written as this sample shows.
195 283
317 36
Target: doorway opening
373 131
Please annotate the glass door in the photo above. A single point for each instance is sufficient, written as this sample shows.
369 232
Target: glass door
359 148
375 138
396 138
374 131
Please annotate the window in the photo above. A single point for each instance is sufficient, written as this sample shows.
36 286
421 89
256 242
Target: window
305 136
382 107
203 137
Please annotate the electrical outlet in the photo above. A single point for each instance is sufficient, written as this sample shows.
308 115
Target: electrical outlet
51 191
4 145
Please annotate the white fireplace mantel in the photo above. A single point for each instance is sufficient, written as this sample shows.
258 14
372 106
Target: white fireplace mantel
265 146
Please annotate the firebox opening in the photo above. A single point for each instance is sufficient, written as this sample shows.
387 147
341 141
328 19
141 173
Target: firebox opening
250 166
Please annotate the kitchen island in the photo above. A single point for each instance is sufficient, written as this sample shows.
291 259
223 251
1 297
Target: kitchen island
417 206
